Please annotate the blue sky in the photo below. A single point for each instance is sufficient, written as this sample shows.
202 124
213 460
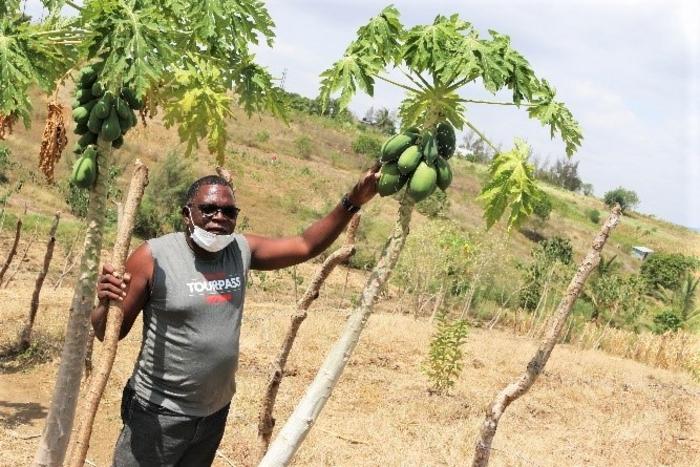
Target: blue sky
628 70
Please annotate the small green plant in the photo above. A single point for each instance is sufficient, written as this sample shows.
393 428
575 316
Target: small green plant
667 321
303 146
262 136
368 145
594 216
445 358
434 206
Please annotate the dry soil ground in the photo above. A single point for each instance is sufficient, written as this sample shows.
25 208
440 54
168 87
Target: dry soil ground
588 409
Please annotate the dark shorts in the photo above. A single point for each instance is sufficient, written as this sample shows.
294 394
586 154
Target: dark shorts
155 436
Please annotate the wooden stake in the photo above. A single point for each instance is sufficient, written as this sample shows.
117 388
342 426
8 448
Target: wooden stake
115 316
25 336
539 360
266 422
13 250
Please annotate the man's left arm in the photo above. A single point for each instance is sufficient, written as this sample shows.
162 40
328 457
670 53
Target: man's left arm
276 253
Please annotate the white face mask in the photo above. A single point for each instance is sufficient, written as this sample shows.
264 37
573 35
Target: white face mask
209 241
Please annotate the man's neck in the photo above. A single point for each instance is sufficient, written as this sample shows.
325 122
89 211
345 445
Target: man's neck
198 251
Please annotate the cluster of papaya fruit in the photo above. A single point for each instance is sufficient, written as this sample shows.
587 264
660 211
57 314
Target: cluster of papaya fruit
419 159
99 113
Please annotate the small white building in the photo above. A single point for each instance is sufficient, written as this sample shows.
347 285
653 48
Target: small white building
641 252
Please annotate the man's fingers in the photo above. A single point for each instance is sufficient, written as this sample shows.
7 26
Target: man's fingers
107 269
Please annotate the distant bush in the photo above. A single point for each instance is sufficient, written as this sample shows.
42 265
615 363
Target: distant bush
4 162
303 146
558 249
627 199
666 321
262 136
594 216
542 208
564 173
435 205
545 256
587 189
159 212
367 144
666 270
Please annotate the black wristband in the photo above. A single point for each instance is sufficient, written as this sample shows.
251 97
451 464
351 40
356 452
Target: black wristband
346 204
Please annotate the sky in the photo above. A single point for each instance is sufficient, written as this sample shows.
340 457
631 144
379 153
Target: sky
628 70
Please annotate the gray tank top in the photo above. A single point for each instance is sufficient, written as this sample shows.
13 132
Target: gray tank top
191 327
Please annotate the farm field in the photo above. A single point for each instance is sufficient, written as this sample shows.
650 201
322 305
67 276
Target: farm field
588 408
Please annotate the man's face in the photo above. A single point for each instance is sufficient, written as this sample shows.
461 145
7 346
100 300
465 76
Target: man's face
213 208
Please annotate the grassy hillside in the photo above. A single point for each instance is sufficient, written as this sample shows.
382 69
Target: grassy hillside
588 408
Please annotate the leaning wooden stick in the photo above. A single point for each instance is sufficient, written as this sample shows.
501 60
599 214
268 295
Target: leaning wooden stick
25 335
115 316
13 250
537 363
266 422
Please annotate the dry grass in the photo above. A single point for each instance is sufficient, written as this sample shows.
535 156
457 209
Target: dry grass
587 408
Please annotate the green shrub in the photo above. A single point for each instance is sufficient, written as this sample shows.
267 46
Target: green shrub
543 207
435 205
666 321
4 162
160 209
303 146
262 136
594 216
666 270
445 358
367 144
627 199
558 249
545 256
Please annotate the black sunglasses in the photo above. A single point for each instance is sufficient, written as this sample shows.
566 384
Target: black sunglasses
209 210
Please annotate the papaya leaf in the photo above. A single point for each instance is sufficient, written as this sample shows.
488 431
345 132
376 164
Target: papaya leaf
556 115
256 91
198 101
29 55
134 40
511 184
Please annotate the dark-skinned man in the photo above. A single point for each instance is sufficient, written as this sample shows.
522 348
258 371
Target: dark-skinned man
191 288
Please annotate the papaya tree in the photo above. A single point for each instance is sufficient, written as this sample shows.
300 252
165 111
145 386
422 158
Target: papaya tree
189 60
432 63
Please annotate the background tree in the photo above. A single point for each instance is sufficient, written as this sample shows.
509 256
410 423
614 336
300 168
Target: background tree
627 199
666 270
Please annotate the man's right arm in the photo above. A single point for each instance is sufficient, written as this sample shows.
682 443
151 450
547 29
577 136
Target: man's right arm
131 292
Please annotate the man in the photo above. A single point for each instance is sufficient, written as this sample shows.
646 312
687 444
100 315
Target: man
191 288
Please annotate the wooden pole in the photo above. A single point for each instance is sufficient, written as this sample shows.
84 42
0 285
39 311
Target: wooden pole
115 316
266 422
13 250
539 360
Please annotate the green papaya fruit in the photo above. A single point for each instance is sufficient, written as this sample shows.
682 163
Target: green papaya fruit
102 109
444 173
87 139
118 143
88 75
97 90
395 146
122 107
94 123
130 97
83 96
110 127
84 171
75 103
81 115
81 129
409 159
108 99
445 139
423 182
430 152
390 180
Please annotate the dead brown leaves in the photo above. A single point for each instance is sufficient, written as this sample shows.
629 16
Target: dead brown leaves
53 140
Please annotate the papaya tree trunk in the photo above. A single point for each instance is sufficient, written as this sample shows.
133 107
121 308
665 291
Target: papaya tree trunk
307 411
25 335
539 360
53 443
13 250
266 422
115 316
